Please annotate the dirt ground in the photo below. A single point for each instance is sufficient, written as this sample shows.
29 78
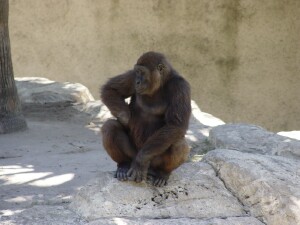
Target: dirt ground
45 165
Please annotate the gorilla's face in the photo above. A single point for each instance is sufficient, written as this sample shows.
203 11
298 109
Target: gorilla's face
146 82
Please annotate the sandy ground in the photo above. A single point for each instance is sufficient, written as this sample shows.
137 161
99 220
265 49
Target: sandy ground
46 164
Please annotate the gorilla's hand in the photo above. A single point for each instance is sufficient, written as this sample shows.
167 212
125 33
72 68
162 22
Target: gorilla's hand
138 171
123 118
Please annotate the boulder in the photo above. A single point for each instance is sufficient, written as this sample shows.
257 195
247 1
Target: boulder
253 139
269 186
193 191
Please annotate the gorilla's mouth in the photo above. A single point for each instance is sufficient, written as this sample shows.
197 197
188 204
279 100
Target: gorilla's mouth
140 90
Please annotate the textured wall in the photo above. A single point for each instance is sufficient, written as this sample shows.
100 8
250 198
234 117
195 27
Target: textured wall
242 58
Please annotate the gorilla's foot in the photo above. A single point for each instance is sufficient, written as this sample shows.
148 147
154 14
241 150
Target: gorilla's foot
121 173
158 178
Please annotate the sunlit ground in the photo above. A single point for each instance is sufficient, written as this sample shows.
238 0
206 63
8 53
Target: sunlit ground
15 174
11 176
291 134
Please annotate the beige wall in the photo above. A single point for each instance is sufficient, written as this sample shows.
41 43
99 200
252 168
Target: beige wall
242 57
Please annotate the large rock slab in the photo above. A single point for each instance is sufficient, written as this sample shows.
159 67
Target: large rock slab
268 185
41 91
253 139
193 191
56 100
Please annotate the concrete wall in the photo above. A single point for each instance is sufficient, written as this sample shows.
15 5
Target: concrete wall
242 57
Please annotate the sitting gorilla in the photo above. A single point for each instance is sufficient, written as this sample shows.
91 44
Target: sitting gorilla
147 136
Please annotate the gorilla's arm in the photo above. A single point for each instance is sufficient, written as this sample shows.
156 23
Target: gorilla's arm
114 93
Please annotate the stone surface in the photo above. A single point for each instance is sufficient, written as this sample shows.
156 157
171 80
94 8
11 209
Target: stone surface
269 186
253 139
193 191
184 221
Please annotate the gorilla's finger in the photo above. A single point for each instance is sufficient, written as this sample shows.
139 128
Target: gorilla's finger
129 173
139 178
156 182
125 177
122 176
132 176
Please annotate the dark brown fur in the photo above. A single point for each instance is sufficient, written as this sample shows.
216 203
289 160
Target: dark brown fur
148 136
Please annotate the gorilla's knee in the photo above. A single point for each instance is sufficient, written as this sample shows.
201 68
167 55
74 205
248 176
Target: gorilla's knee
110 125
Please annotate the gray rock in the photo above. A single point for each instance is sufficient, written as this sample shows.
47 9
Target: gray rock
268 185
41 91
181 221
253 139
193 191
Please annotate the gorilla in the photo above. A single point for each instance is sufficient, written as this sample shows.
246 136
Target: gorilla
146 139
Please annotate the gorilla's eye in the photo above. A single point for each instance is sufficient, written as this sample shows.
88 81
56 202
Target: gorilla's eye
139 79
139 72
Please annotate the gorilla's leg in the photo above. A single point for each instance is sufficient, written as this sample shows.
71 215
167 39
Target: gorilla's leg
118 146
162 166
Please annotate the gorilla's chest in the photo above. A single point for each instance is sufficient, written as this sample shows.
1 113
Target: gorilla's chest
147 116
151 107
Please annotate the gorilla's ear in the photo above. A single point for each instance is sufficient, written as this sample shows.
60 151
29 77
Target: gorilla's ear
161 67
